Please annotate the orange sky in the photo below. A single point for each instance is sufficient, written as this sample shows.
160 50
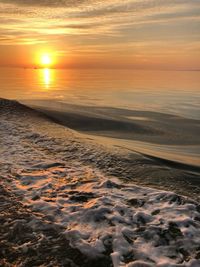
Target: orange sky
160 34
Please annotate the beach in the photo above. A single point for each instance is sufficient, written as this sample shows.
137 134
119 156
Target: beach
68 199
99 133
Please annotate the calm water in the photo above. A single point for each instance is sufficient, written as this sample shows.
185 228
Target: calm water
172 92
169 92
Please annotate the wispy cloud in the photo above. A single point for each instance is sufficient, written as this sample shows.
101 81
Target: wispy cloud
46 3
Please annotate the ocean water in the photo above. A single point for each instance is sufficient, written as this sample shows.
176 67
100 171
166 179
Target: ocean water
174 92
166 92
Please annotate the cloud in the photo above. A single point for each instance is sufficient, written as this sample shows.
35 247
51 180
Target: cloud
46 3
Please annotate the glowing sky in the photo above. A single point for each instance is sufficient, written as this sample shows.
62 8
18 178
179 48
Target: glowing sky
101 33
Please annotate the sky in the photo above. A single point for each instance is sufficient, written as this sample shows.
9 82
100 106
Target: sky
144 34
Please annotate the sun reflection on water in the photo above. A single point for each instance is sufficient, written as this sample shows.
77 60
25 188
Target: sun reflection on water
46 80
47 77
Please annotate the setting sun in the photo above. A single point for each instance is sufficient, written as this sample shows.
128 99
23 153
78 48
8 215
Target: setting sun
46 60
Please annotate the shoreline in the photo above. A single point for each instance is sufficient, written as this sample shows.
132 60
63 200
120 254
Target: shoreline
63 195
132 165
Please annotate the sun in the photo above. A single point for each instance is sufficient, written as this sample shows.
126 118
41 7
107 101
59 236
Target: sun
46 60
